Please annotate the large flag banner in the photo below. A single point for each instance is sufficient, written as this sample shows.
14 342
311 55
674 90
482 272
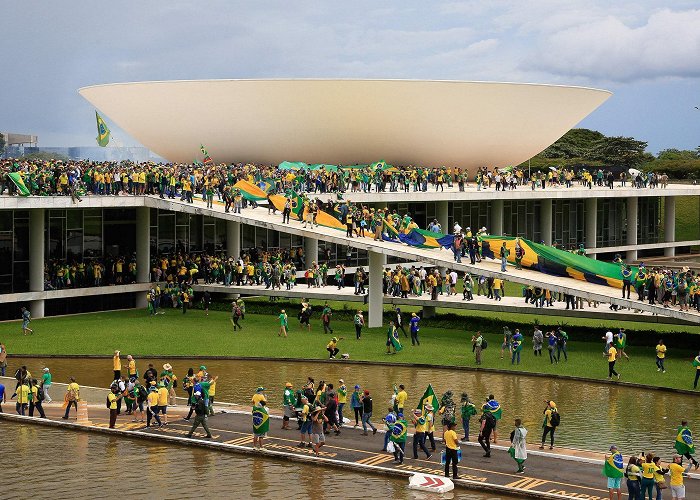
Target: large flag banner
261 421
429 398
102 131
395 341
207 159
614 466
17 180
250 191
292 165
684 441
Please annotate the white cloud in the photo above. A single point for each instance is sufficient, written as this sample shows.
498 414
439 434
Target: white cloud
667 45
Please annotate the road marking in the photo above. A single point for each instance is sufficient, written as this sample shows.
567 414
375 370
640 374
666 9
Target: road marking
240 441
377 459
527 483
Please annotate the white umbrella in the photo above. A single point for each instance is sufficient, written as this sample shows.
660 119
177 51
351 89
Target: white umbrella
634 172
553 169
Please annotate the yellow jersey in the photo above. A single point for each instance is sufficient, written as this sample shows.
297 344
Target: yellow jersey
162 396
450 438
612 352
117 363
401 398
661 351
112 398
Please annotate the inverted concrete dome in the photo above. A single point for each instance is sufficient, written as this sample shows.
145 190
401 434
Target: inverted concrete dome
431 123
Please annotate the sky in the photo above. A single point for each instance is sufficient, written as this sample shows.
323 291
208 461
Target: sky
646 52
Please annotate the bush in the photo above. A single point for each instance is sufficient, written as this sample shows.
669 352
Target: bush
687 169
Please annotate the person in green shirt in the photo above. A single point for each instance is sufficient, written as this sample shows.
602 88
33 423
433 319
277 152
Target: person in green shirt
467 411
205 387
46 384
283 323
326 316
289 400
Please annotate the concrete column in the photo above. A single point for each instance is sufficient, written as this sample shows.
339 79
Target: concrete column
632 209
591 226
37 230
143 244
496 221
669 224
442 214
233 239
377 261
546 221
310 250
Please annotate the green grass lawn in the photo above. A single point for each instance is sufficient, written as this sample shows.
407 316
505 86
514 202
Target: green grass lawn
194 334
687 218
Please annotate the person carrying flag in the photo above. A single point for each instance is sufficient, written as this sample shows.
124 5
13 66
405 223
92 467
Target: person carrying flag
398 437
494 408
518 447
392 339
684 443
261 424
613 470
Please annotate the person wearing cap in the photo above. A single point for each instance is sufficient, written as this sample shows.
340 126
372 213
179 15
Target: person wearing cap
112 398
676 471
162 407
170 381
332 348
342 400
258 396
152 405
449 437
289 402
46 384
201 417
420 424
366 401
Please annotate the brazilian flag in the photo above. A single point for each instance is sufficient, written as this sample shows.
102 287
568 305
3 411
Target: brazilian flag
17 180
261 420
684 441
394 338
297 204
398 432
429 398
614 466
494 408
102 131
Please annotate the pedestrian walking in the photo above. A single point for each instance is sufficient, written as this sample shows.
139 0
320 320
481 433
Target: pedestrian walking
612 356
660 356
261 425
550 423
366 401
468 410
201 415
359 322
46 385
449 437
613 470
356 404
398 438
488 424
676 471
71 397
26 318
419 421
415 328
284 322
518 447
479 343
684 443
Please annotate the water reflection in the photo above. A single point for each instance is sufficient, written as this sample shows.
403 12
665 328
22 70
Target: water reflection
593 415
87 466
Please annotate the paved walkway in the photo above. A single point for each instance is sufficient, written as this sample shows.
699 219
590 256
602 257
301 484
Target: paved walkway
480 302
430 257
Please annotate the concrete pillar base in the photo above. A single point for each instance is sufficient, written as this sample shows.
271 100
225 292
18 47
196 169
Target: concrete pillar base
442 215
546 222
377 262
428 312
310 251
591 225
670 224
496 222
632 218
233 239
36 308
143 244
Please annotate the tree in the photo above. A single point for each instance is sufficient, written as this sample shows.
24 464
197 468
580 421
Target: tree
2 143
44 156
676 154
576 143
622 151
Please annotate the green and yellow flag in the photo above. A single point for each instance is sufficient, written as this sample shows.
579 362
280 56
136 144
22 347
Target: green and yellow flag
17 180
398 432
261 420
102 131
614 466
684 441
429 398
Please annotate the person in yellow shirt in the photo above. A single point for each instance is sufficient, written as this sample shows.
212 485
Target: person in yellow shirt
112 399
342 400
419 434
22 393
212 393
649 468
36 399
611 355
132 367
152 406
660 356
258 396
117 365
400 400
676 472
449 437
72 397
163 395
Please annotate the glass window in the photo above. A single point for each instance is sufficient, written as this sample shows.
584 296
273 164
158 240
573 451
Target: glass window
57 238
75 219
74 243
6 247
6 220
92 236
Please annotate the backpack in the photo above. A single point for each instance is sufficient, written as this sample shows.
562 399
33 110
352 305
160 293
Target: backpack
109 403
555 419
490 420
484 344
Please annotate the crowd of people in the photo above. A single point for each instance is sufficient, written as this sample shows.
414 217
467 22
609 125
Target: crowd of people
72 178
318 409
